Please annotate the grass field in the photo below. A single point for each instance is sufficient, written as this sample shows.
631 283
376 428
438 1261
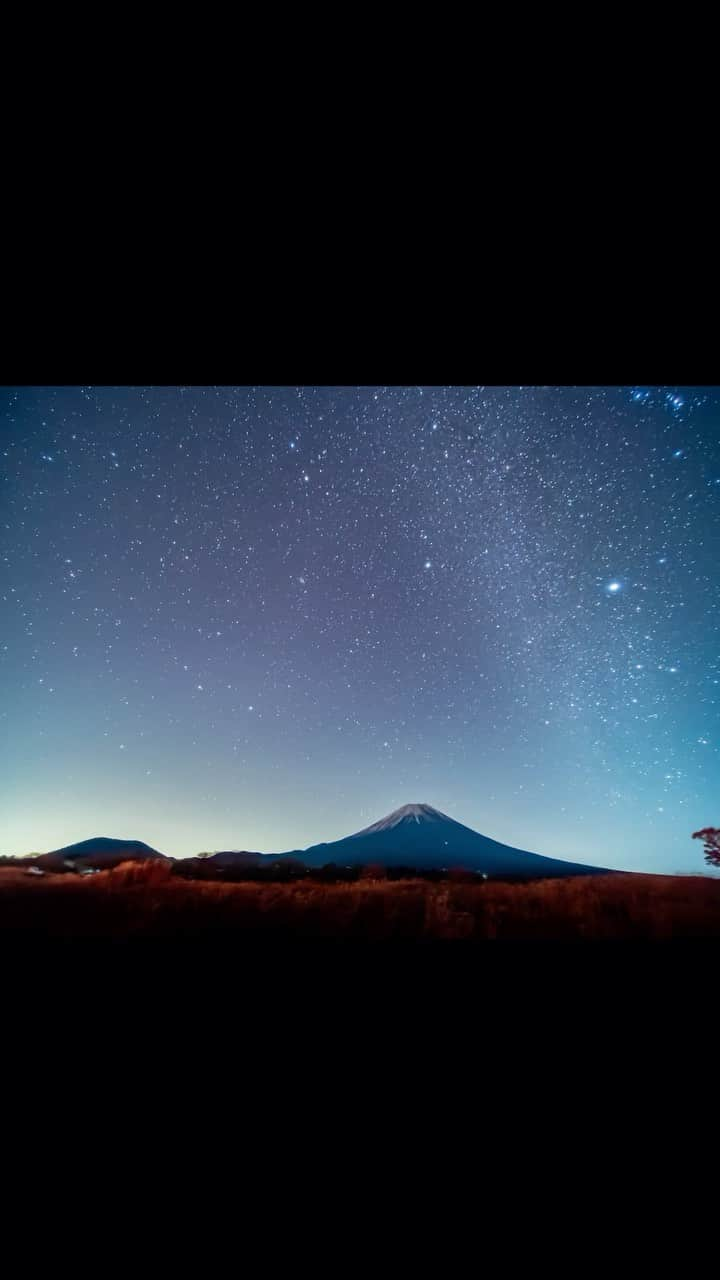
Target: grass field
136 901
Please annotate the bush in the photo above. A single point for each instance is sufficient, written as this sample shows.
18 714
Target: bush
148 871
374 871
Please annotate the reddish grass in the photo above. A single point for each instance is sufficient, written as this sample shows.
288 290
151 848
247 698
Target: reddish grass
147 900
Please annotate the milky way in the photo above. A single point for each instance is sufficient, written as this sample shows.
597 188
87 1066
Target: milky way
263 617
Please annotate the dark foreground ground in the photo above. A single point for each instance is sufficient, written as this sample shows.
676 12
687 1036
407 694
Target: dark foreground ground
312 998
137 903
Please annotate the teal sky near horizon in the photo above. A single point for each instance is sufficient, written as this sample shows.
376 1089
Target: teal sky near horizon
262 617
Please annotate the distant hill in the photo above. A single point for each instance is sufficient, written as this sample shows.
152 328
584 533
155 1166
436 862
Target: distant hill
226 863
100 851
416 835
236 858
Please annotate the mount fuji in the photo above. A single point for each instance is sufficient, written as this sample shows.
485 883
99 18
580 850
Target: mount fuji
416 835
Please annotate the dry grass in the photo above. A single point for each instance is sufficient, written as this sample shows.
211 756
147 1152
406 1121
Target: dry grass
147 900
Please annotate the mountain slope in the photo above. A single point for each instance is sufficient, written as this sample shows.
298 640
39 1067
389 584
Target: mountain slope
416 835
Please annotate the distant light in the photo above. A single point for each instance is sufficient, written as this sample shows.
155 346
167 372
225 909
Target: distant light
614 587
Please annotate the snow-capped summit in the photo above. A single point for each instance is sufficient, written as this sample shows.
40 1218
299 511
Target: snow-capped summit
406 813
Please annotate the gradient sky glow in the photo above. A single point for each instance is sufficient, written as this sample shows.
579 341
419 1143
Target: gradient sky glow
262 617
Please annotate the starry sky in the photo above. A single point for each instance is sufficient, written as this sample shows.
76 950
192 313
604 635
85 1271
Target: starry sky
262 617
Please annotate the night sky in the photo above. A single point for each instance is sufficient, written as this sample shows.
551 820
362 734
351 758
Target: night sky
262 617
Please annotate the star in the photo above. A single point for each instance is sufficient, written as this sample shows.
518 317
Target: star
214 550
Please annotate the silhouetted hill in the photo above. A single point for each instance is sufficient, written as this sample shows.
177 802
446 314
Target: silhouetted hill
236 858
230 864
417 835
100 851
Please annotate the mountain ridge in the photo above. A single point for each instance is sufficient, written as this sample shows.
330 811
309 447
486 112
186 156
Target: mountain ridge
417 835
414 836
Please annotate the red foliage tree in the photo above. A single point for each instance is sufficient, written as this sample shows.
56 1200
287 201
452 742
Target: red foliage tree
711 840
